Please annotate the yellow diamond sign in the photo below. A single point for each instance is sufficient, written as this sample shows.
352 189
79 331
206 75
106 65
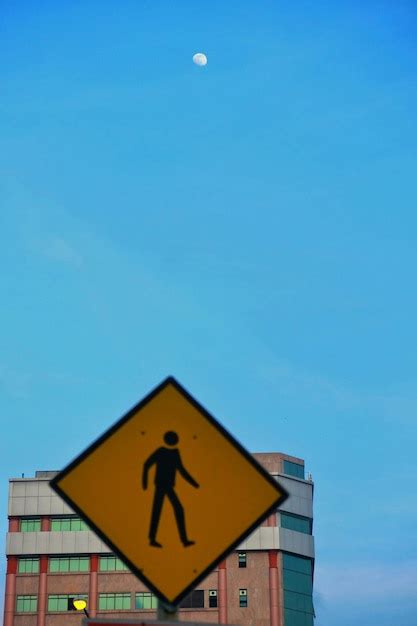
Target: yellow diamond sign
169 490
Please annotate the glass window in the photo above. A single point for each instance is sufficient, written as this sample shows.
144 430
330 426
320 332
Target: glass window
28 566
297 563
298 589
30 525
213 598
297 618
63 602
112 564
68 523
296 522
241 557
194 600
301 583
145 600
69 564
113 601
26 604
293 469
298 601
243 598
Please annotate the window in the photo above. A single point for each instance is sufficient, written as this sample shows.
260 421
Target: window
241 557
213 598
243 598
298 589
63 602
69 564
296 522
112 564
293 469
30 525
28 566
68 523
26 604
114 601
145 600
194 600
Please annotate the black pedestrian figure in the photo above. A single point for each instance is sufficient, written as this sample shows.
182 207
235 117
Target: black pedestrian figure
168 462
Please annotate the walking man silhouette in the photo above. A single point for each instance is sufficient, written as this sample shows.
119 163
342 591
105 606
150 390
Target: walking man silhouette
168 463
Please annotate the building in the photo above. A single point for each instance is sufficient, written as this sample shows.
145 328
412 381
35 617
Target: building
52 557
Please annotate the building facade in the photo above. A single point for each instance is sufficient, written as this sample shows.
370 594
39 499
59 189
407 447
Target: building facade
53 557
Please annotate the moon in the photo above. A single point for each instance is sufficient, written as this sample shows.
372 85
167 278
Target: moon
200 59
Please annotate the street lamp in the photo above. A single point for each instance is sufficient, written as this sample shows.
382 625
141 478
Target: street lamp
80 605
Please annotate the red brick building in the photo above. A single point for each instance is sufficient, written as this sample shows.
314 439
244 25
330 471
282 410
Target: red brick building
53 557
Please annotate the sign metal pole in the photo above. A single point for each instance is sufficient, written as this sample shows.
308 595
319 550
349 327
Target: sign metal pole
167 612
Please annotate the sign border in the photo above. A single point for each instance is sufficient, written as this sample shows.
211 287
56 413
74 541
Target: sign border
170 380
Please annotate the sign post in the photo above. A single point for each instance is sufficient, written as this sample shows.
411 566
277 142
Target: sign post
153 485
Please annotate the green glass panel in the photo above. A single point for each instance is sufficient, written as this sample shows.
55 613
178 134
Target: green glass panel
53 565
65 524
139 601
33 604
19 604
55 525
294 469
53 603
63 565
103 564
293 522
74 565
126 601
102 605
297 564
84 564
30 525
62 603
294 581
28 566
298 601
297 618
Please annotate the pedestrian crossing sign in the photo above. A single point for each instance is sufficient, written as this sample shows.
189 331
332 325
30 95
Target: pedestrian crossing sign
169 490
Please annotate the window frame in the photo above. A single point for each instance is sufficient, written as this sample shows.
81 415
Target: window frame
36 521
119 566
193 600
291 465
242 559
30 598
285 515
115 596
71 559
146 595
243 598
25 561
62 600
212 604
70 523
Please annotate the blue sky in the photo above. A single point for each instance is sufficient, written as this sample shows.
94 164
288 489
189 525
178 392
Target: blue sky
249 227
